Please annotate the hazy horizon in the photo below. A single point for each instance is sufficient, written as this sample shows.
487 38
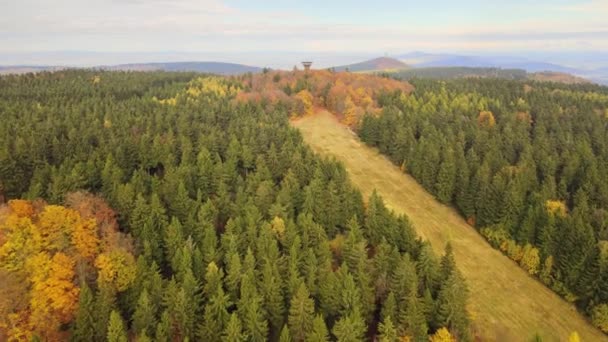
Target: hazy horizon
280 33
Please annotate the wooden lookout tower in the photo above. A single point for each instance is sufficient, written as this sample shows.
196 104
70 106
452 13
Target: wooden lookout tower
306 65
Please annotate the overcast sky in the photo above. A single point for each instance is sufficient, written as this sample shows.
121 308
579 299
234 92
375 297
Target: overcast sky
228 28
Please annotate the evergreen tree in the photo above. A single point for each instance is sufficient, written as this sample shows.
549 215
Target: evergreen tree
163 328
444 187
387 331
116 328
85 322
233 331
301 314
144 318
451 306
415 320
285 336
350 328
319 332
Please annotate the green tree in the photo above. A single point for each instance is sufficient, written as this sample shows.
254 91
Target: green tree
144 317
84 324
233 331
116 328
444 187
387 331
319 332
301 314
350 328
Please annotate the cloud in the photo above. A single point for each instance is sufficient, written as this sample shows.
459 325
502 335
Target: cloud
212 25
590 7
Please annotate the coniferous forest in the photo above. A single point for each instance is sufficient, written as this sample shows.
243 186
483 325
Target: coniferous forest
525 163
154 207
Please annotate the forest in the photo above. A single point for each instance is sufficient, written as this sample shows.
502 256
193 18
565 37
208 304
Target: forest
166 207
459 72
526 163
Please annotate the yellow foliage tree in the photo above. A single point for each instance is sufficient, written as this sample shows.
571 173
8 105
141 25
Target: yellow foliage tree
22 241
574 337
442 335
40 246
530 259
556 207
55 225
350 112
303 103
116 270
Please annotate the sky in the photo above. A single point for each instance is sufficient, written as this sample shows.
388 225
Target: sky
278 31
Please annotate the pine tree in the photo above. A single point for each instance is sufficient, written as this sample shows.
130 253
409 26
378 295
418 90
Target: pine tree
389 307
271 289
234 331
285 336
451 306
414 320
319 332
350 328
387 331
105 303
84 324
301 314
163 328
444 187
144 317
116 328
427 267
216 316
254 321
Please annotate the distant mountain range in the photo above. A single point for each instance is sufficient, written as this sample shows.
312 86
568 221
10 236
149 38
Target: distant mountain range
597 70
203 67
376 64
206 67
445 73
425 60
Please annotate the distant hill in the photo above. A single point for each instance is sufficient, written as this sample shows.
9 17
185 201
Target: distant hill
24 69
376 64
510 74
461 72
206 67
421 59
550 76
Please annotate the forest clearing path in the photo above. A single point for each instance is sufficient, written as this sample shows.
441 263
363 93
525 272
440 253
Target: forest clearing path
506 304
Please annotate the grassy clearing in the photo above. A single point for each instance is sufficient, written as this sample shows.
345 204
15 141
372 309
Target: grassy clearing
506 303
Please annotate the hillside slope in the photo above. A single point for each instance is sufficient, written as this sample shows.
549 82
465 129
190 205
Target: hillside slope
506 303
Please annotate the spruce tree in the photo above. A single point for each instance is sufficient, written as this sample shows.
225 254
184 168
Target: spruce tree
85 321
301 314
387 331
143 318
444 187
451 306
319 332
233 331
116 328
350 328
163 328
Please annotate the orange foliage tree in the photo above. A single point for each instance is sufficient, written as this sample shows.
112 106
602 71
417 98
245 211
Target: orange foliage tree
41 248
348 95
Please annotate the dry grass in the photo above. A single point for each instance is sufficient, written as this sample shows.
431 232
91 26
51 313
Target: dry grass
506 304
